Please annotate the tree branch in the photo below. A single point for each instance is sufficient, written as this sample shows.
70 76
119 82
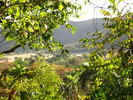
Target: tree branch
11 50
2 31
5 7
94 5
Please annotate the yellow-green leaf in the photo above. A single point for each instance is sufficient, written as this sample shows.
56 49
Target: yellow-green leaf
44 30
42 14
30 29
60 6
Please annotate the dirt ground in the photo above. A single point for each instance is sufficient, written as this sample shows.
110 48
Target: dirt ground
11 58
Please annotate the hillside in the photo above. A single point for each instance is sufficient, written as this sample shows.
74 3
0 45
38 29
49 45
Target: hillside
64 35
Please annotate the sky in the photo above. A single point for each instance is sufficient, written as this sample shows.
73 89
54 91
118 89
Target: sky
93 12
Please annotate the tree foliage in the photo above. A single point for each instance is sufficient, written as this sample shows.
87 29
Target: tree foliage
118 26
31 22
26 82
108 74
112 60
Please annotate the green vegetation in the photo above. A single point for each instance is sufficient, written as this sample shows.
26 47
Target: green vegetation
106 73
31 23
24 81
66 60
76 47
112 66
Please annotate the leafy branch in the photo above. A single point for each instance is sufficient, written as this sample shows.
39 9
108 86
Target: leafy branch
8 6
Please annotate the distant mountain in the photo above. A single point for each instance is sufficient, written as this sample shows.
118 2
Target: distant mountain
64 35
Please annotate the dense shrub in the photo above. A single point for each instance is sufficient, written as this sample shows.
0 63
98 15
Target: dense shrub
22 82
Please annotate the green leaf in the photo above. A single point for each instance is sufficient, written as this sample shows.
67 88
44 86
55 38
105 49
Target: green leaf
112 1
70 77
30 29
73 30
60 6
68 26
8 36
17 13
42 14
57 26
44 30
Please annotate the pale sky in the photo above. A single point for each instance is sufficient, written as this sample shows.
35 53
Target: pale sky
89 10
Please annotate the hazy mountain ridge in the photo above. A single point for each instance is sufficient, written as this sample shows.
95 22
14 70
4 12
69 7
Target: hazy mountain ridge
64 35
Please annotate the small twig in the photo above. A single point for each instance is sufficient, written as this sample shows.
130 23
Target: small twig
94 20
94 5
5 7
2 31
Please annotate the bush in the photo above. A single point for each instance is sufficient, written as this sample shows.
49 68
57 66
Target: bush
22 82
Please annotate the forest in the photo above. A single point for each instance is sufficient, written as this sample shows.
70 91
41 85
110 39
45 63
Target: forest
103 70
